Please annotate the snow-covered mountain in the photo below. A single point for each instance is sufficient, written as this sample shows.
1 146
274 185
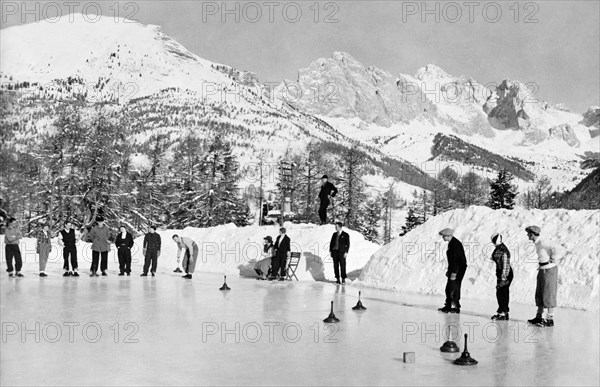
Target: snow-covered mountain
160 87
402 115
337 100
125 57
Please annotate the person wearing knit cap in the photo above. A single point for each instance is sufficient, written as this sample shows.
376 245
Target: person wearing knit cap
504 276
457 266
547 278
327 190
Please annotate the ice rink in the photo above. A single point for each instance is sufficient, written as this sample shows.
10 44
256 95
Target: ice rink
170 331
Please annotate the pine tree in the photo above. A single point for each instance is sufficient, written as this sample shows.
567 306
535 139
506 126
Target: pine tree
412 220
369 219
389 203
502 192
188 184
472 190
351 188
223 203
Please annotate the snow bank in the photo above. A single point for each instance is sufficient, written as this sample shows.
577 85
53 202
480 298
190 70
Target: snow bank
225 249
417 262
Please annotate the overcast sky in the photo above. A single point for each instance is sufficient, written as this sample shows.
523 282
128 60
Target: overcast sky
554 44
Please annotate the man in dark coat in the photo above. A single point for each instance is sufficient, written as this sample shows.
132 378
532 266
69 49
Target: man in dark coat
338 248
327 189
457 266
151 250
282 253
68 241
124 243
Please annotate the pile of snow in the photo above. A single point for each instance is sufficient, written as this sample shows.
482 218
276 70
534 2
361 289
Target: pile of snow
225 249
417 261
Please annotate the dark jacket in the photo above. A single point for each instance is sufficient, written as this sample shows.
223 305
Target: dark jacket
282 246
326 190
457 261
124 242
343 243
152 242
68 237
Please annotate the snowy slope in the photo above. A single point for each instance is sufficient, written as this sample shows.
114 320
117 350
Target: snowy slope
226 249
417 261
133 59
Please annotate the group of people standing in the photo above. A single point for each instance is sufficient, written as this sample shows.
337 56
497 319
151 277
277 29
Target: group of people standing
273 264
101 238
546 281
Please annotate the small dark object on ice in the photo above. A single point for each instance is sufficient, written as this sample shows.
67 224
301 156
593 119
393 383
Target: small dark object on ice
331 318
359 305
465 358
225 287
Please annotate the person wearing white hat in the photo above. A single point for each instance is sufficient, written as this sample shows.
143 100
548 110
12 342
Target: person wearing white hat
504 276
547 278
457 266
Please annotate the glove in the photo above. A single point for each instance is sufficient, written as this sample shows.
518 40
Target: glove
452 276
158 254
143 251
37 249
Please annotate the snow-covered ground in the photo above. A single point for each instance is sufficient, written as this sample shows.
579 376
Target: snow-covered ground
417 261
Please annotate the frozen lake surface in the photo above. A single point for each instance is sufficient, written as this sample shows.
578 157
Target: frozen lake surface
170 331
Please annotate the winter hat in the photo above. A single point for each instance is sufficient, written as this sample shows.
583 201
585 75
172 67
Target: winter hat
535 230
324 177
268 239
153 226
496 237
447 232
99 218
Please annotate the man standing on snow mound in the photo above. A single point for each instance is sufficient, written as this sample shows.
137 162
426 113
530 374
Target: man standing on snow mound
100 237
282 253
338 248
190 256
457 266
327 189
151 250
547 278
504 276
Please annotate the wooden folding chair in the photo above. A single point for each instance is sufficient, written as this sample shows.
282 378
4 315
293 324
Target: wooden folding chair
292 266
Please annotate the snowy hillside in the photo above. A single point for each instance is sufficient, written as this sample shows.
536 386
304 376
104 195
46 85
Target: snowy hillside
127 59
417 261
226 249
